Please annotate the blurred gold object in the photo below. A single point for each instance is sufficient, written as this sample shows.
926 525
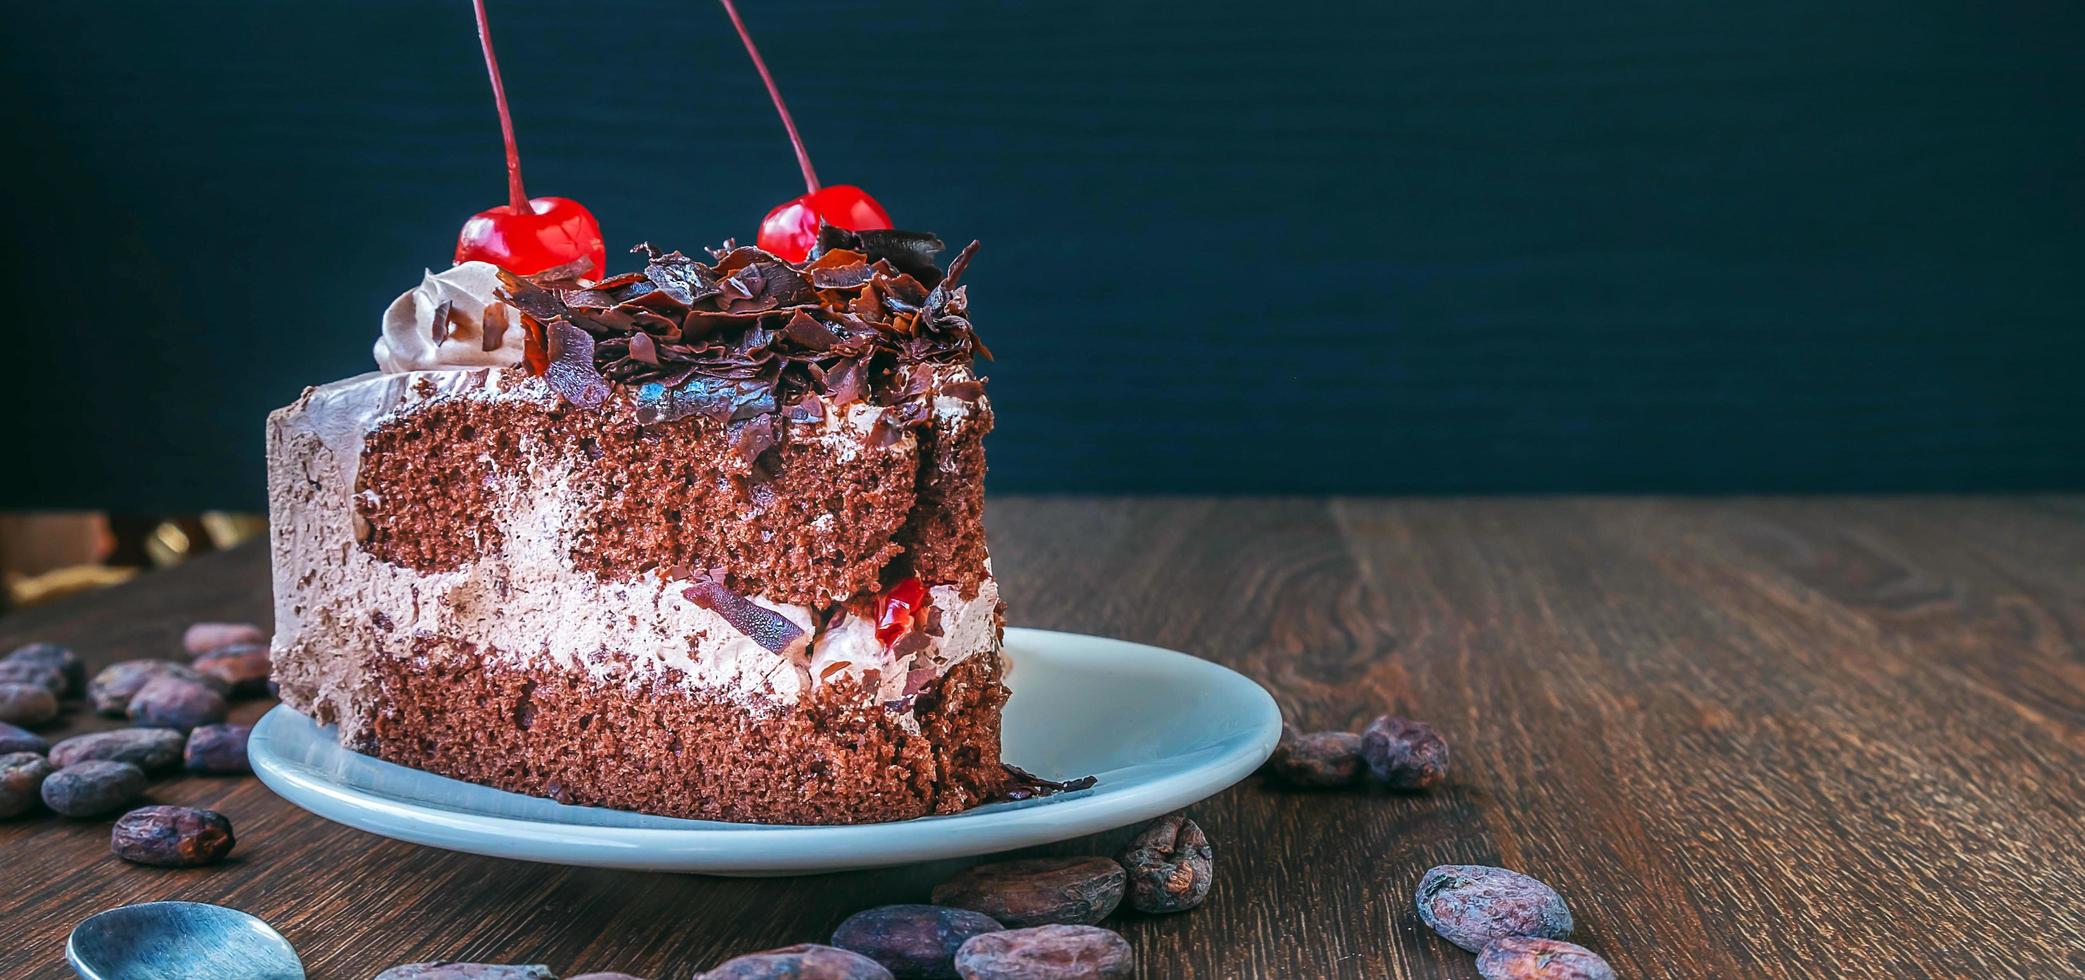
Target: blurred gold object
226 528
28 590
44 556
167 544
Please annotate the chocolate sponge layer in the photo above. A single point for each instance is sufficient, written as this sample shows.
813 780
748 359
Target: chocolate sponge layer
815 524
666 750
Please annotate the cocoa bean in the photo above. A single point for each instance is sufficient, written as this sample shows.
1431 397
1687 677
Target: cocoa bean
67 663
1053 952
1529 958
111 690
205 637
41 675
1170 865
913 940
14 738
219 749
21 782
444 970
150 749
172 837
27 704
1038 891
604 976
243 667
93 788
803 961
175 702
1316 758
1404 754
1471 904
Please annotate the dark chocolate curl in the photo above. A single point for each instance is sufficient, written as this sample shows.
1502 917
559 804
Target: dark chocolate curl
440 327
808 333
495 325
643 349
762 625
754 436
572 373
717 399
1024 785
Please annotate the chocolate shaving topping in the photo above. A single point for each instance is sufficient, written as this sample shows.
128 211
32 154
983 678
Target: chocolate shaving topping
495 326
808 410
572 373
864 319
760 624
910 252
1024 785
569 272
643 348
439 329
754 436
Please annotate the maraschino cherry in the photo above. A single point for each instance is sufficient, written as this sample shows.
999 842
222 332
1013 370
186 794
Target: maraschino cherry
791 229
526 236
898 610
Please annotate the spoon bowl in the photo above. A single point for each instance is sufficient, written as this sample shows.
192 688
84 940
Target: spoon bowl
179 941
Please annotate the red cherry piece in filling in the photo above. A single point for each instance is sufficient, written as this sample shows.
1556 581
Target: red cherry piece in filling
898 610
791 229
555 231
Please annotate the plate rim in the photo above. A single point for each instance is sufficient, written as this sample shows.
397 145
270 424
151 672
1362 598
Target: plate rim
786 848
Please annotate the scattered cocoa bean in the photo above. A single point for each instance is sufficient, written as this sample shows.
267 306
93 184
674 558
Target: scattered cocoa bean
803 961
172 837
444 970
1038 891
67 663
205 637
1471 905
21 782
604 976
111 690
15 738
41 675
150 749
1316 758
1529 958
175 702
27 704
1053 952
913 940
244 667
93 788
1404 754
219 749
1170 865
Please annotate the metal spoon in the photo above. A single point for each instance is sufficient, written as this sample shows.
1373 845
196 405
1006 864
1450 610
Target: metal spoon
180 941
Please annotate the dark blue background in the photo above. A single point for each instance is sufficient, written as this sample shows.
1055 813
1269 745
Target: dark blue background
1229 246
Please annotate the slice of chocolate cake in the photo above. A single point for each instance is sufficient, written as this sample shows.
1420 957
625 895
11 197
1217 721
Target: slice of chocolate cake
704 540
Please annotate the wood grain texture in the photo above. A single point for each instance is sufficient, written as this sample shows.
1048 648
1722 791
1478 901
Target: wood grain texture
1744 737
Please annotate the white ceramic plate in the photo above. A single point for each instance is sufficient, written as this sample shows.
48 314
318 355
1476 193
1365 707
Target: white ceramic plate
1160 729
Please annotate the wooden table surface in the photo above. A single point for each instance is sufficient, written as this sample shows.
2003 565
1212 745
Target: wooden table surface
1743 737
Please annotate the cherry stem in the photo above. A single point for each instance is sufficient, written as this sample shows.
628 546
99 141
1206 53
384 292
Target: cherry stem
803 157
517 199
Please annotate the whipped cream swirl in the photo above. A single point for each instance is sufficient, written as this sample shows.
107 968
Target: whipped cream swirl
408 342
